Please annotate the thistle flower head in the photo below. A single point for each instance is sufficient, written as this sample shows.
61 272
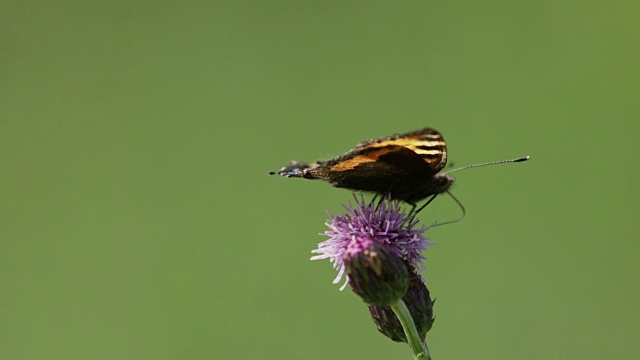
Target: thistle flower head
385 225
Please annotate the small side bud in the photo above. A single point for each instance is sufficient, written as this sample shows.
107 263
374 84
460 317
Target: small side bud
375 274
420 307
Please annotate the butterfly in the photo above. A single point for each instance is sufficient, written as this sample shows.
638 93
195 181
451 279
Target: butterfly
405 167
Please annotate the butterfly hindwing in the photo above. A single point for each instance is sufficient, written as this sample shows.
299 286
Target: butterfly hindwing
377 169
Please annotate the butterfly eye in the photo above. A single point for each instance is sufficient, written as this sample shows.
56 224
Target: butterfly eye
443 181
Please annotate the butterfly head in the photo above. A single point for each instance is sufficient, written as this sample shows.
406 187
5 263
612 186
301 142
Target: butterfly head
413 192
442 183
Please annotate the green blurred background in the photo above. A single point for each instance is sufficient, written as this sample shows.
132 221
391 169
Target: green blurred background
137 220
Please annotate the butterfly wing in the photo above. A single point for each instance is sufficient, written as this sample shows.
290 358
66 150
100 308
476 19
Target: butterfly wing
295 169
377 169
427 143
402 165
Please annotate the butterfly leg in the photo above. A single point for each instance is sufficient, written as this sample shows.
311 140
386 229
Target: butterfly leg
415 212
382 199
373 200
427 203
413 208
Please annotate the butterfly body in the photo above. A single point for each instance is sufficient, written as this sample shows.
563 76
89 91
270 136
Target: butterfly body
404 166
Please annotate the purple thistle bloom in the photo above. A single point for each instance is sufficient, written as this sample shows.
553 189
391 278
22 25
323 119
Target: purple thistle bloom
387 226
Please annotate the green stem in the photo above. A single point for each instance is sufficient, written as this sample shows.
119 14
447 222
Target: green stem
418 347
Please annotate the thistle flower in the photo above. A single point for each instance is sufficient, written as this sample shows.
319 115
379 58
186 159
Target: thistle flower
385 225
379 248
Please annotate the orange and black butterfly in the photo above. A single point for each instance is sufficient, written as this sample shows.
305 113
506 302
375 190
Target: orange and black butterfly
404 166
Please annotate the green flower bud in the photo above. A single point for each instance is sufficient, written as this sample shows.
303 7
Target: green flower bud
375 274
420 306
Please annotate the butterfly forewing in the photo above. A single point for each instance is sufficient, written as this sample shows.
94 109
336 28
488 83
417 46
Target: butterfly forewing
426 143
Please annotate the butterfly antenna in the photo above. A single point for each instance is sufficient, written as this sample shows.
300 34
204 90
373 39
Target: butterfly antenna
520 159
464 211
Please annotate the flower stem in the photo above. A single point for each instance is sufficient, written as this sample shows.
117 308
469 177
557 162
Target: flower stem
418 347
